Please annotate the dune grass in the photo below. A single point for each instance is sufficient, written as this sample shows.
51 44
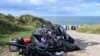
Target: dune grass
4 38
92 29
20 26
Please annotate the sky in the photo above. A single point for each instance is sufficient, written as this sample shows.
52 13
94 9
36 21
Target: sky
51 7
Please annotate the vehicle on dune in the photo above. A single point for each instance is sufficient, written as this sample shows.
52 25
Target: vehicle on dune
48 40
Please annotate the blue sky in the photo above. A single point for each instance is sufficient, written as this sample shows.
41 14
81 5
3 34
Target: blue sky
51 7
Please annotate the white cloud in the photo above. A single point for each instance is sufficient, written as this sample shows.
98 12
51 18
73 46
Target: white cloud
84 6
52 0
55 7
15 1
74 9
80 0
37 2
39 8
98 4
41 2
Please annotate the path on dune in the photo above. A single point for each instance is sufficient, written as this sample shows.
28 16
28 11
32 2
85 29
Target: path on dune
89 43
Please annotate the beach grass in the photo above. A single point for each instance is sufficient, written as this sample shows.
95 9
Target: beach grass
92 29
4 38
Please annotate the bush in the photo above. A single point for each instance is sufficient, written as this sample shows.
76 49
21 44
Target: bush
10 22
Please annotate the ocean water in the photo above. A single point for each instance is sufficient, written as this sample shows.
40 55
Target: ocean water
73 20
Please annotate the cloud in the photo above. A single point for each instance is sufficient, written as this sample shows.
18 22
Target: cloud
15 1
36 2
50 7
89 13
80 0
72 9
98 4
41 2
52 0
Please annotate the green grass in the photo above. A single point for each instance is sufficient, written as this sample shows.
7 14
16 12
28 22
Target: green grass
91 29
4 38
14 27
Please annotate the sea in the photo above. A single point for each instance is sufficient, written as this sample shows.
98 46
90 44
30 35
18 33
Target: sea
73 20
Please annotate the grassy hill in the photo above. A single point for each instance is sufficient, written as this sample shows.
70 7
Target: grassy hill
90 29
22 26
